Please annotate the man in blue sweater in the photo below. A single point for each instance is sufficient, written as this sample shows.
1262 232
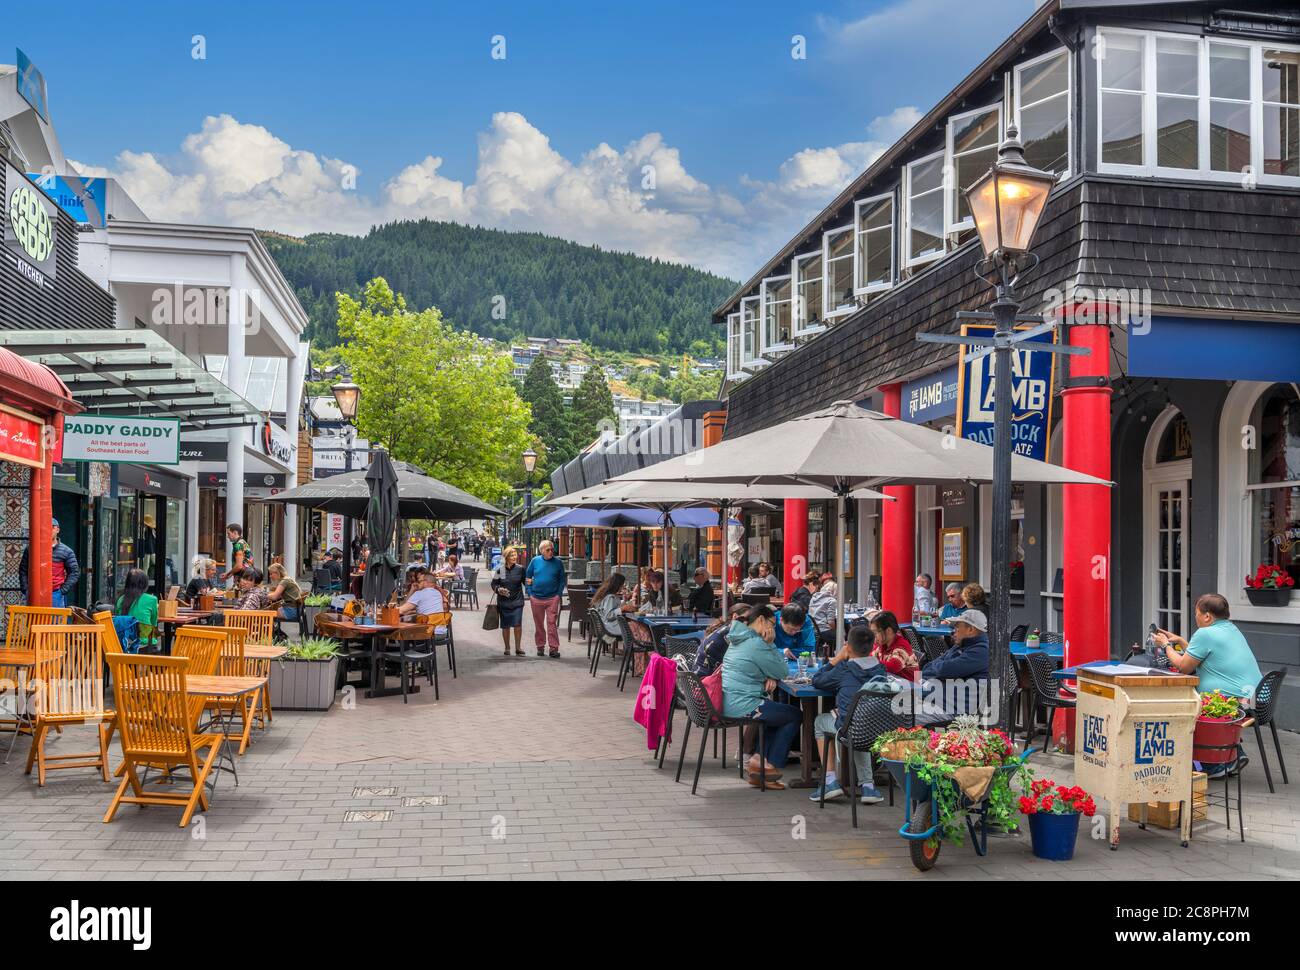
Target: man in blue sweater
545 580
845 673
795 632
953 680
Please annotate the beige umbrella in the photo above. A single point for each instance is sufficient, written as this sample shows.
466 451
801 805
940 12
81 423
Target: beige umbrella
844 448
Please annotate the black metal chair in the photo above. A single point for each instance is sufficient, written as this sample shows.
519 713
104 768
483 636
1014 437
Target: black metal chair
1266 695
1046 695
465 589
868 717
1019 632
701 713
670 647
1051 636
602 638
579 604
413 651
637 639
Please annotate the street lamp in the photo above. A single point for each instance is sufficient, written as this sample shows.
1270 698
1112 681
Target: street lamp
1007 204
347 396
530 464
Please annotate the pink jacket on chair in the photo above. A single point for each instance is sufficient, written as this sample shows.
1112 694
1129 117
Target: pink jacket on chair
654 700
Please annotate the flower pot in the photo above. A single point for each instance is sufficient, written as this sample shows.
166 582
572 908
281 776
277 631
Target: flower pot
1215 742
1053 836
1269 597
303 685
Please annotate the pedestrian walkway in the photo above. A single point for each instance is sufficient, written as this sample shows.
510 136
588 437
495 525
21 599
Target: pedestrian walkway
528 768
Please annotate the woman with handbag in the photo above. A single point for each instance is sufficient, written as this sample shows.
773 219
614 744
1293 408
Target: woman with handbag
508 585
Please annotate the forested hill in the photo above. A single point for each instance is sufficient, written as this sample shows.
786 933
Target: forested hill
551 287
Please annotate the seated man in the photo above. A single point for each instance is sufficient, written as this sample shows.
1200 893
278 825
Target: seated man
795 631
427 598
755 583
955 606
1220 656
252 596
824 609
804 594
845 674
952 682
701 600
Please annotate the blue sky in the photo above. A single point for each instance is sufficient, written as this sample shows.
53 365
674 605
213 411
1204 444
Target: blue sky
331 116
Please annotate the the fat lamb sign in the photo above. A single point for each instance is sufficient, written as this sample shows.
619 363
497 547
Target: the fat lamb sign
101 437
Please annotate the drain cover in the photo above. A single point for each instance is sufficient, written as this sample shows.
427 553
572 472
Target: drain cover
425 801
380 816
372 792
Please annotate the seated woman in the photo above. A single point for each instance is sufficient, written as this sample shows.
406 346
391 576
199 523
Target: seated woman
973 595
891 647
713 644
138 602
609 604
251 594
751 669
205 571
285 594
453 569
650 594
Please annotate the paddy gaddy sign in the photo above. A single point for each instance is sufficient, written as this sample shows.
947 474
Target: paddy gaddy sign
99 437
1032 377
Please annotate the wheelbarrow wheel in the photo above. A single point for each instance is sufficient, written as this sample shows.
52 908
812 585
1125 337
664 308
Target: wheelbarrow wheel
924 852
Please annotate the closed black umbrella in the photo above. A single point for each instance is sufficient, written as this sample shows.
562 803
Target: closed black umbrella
381 519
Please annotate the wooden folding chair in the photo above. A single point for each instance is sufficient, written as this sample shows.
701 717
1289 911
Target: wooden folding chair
155 727
22 618
258 624
111 642
203 645
68 688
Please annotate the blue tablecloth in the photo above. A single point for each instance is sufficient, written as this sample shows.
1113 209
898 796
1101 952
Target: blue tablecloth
801 690
1054 650
685 622
930 631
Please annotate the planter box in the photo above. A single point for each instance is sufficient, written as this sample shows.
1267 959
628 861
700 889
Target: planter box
1215 742
1269 597
303 685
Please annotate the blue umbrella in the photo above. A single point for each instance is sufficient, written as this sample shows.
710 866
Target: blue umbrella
624 518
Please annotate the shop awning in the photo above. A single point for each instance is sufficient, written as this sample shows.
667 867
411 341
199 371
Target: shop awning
35 384
133 372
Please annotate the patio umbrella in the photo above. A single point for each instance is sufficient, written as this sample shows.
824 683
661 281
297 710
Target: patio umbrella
845 447
381 519
419 496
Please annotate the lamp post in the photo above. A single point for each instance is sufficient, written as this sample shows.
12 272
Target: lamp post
530 465
1007 204
348 397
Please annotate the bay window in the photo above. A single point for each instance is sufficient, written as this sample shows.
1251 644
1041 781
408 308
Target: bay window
777 308
1273 480
923 186
807 273
875 243
973 139
837 271
1043 116
1198 107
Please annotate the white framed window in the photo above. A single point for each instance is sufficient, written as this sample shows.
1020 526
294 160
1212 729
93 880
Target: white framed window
808 306
837 270
923 190
875 243
1198 107
733 344
1044 115
749 333
778 308
973 138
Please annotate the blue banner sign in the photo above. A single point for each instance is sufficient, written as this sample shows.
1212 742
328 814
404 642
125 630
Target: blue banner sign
1032 376
31 86
931 397
86 200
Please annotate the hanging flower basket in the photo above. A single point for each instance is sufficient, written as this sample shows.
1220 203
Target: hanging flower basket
1270 585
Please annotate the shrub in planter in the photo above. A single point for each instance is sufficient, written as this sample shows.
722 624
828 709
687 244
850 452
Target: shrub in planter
1218 729
312 606
305 678
1270 586
1054 812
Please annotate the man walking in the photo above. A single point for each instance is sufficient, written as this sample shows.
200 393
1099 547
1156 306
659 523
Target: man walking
545 580
64 572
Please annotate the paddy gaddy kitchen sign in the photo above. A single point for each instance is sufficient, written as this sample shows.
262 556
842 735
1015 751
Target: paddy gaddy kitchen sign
101 437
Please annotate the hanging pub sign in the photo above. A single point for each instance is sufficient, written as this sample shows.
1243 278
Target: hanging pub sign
120 438
1032 378
22 438
931 397
29 220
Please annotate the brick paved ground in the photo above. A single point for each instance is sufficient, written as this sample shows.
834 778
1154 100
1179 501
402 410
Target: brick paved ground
544 776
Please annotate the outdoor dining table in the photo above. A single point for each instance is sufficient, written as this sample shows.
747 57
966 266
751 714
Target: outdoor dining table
225 688
808 698
169 625
347 630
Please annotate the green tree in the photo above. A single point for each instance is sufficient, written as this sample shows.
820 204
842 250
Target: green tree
550 421
592 404
435 396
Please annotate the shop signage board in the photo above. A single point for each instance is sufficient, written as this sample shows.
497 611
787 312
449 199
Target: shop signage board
31 86
931 397
276 443
328 457
333 531
121 438
204 450
85 199
269 480
22 438
1032 379
29 220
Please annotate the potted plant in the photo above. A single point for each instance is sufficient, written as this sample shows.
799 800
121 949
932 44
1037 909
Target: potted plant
1054 812
1270 586
1218 729
313 604
901 743
304 679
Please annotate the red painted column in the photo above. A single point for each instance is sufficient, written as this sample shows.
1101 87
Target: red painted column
40 564
794 545
897 532
1086 525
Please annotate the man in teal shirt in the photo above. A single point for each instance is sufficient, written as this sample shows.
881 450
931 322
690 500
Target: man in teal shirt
1217 653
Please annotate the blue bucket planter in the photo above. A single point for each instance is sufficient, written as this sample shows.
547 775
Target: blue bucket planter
1053 836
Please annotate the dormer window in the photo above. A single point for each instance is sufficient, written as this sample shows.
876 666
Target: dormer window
923 188
837 254
808 307
778 308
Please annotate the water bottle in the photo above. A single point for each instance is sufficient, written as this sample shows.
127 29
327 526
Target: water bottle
802 663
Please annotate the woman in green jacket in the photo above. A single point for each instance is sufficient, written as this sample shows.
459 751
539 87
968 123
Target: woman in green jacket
136 601
751 669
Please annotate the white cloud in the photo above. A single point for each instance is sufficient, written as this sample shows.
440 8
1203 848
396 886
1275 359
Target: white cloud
640 197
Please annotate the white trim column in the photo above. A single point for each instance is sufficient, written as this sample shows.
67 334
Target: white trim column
292 407
236 371
191 520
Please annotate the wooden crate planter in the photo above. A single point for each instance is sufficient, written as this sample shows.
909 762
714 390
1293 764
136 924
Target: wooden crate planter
1165 815
303 685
